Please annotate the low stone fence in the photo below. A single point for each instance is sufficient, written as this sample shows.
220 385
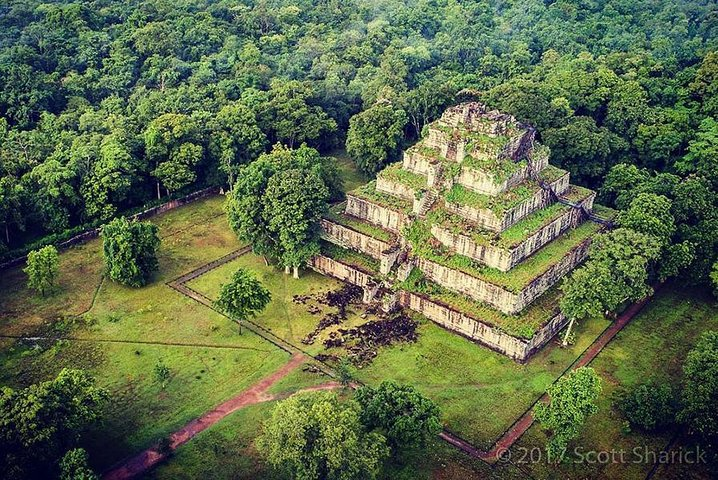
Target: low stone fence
486 218
395 188
95 232
519 349
502 258
499 297
377 214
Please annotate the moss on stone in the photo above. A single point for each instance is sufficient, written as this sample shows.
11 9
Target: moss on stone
336 214
396 173
369 192
354 258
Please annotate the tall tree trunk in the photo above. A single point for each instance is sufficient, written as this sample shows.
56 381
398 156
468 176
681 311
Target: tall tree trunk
7 234
159 195
286 269
568 332
266 261
296 272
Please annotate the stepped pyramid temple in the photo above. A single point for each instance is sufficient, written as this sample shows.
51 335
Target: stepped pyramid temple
474 229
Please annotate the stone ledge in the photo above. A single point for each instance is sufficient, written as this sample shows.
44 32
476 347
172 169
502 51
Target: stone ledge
504 259
499 297
380 215
476 330
486 218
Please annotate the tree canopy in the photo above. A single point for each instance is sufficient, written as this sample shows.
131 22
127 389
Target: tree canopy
130 251
243 296
315 436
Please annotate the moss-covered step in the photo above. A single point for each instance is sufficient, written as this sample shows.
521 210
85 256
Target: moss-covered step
506 249
499 212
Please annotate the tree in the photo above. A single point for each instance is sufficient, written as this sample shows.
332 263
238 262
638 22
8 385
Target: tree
294 119
170 142
236 139
572 399
650 214
702 155
10 204
374 136
616 271
314 436
243 297
42 268
295 201
406 417
650 406
74 465
42 421
714 278
130 251
277 202
700 390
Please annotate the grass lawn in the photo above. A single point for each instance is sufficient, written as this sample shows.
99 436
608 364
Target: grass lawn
351 176
653 345
140 411
480 392
286 318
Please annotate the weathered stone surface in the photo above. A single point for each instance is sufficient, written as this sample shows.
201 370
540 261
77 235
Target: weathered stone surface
349 238
505 258
489 220
395 188
417 163
496 296
474 329
486 183
377 214
342 271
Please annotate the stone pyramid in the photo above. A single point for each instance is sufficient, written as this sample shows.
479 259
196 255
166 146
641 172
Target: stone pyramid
473 229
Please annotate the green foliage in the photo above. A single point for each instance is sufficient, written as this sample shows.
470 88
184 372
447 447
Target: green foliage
44 420
74 465
700 389
650 406
243 297
129 249
344 371
714 278
278 200
572 399
314 436
162 373
406 416
374 136
617 271
42 268
649 214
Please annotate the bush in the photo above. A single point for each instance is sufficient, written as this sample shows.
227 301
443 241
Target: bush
649 406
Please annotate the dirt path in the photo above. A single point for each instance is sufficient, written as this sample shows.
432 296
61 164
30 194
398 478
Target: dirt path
257 393
504 443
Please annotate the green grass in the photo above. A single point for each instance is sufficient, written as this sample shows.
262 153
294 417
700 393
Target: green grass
140 411
336 214
357 259
369 192
396 173
283 317
522 325
653 346
418 234
480 392
505 201
348 171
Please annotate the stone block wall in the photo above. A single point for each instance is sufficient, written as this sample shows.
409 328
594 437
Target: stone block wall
341 271
474 329
395 188
505 259
487 219
496 296
485 183
349 238
416 163
377 214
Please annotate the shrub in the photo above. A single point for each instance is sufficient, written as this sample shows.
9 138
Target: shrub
650 406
